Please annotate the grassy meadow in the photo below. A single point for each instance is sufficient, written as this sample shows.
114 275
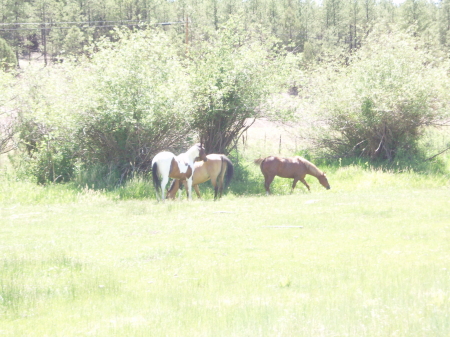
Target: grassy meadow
370 257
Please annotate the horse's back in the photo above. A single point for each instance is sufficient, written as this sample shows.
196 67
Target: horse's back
163 156
162 161
290 167
200 172
214 157
204 170
273 163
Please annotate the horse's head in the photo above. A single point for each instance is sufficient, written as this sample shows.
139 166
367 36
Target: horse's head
201 152
324 181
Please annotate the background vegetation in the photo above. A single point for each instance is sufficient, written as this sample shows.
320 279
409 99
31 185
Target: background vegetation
58 28
360 79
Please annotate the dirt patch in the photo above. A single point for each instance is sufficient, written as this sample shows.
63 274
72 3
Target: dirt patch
266 138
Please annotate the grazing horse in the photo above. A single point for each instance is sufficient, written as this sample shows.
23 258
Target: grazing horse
218 168
166 164
295 167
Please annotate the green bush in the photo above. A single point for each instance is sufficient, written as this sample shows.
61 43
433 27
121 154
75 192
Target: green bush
233 72
116 108
7 56
141 101
380 104
7 117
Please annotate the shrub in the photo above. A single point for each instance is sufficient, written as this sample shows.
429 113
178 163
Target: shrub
233 73
7 57
380 104
116 108
7 117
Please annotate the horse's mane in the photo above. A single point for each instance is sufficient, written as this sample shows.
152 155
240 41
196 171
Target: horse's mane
311 167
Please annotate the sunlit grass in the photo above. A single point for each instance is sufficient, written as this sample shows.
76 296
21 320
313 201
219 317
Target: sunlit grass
367 258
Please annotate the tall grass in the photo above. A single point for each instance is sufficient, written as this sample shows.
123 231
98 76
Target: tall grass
344 175
361 261
367 258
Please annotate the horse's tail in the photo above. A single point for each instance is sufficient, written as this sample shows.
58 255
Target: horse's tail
258 161
229 172
156 180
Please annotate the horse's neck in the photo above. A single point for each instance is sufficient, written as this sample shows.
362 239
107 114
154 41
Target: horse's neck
191 154
311 168
314 171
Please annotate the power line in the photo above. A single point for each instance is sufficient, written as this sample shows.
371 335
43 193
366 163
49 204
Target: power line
53 25
85 22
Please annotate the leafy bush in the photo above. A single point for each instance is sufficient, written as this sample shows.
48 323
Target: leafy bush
116 108
7 57
7 117
233 72
141 101
379 105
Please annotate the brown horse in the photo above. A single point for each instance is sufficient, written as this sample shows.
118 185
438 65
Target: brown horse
218 168
295 167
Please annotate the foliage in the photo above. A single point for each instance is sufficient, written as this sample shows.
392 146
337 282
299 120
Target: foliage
232 74
142 101
7 117
7 57
116 108
47 104
70 25
379 105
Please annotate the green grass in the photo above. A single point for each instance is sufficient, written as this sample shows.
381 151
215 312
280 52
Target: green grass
371 258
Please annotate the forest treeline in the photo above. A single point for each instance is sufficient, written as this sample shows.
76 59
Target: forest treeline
57 28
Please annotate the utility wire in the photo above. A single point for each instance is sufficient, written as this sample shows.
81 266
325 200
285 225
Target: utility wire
84 22
48 26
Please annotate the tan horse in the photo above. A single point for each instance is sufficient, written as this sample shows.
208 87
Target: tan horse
166 165
218 168
296 168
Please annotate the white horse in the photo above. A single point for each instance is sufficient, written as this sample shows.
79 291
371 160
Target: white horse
166 165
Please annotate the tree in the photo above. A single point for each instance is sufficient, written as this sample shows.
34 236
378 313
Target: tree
7 119
112 110
379 106
74 40
7 57
444 22
231 75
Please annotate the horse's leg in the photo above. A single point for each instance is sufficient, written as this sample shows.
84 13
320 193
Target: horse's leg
293 184
214 178
304 183
222 177
189 183
268 180
220 187
180 192
164 181
184 182
197 190
216 187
